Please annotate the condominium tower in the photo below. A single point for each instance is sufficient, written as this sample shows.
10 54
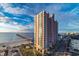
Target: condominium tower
45 31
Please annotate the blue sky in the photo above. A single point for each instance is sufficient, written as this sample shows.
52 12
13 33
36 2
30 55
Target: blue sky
19 17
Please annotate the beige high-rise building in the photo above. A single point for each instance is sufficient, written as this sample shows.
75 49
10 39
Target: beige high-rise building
45 31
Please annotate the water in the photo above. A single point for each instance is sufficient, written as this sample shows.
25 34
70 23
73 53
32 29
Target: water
8 37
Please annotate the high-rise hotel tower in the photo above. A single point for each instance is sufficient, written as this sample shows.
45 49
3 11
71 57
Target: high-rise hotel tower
45 31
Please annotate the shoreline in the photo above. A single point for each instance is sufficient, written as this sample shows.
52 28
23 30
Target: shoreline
15 43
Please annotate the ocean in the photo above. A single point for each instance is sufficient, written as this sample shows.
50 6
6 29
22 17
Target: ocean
10 36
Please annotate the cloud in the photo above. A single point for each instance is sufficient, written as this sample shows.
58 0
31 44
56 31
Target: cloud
13 28
8 28
59 8
75 11
2 14
18 10
53 8
73 25
68 22
66 14
8 8
7 25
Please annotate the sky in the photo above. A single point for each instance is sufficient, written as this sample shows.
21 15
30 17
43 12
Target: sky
19 17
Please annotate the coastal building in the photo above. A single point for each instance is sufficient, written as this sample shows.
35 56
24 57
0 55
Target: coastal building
45 31
74 47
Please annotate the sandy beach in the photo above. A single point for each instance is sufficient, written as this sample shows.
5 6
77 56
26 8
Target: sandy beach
15 43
